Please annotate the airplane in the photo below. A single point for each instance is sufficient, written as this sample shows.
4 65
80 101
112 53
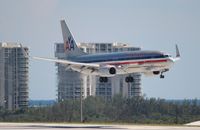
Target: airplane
110 64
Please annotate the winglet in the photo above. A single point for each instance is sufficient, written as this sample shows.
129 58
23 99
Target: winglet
178 56
177 52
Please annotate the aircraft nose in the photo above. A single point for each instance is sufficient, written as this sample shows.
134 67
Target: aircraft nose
172 60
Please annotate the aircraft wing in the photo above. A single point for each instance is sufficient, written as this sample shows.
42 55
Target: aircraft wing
71 63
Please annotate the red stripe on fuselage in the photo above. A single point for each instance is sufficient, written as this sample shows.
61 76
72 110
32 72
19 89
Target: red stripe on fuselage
138 62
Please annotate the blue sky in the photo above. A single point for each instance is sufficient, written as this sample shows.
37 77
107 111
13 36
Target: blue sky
152 25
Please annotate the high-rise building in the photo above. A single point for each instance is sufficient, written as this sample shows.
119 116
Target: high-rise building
70 82
13 76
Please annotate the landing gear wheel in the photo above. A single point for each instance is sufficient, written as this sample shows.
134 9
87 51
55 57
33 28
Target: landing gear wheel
129 79
162 76
103 79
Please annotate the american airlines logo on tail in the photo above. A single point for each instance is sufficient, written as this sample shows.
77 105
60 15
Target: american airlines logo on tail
69 45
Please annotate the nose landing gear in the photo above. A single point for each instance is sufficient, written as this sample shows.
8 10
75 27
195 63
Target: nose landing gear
161 74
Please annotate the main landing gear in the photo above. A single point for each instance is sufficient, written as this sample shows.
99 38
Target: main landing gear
129 79
103 79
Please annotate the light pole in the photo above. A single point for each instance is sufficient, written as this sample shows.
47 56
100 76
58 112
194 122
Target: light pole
81 101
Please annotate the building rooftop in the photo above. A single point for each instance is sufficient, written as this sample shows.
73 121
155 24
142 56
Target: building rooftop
9 44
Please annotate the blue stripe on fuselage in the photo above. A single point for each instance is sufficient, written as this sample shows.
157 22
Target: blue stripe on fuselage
119 56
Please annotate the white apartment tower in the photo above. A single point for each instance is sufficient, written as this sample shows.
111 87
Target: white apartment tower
13 76
70 82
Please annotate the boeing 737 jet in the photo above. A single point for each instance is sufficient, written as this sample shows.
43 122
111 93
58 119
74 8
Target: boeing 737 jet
111 64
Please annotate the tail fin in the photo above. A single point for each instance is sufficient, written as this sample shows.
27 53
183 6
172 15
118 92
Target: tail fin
70 46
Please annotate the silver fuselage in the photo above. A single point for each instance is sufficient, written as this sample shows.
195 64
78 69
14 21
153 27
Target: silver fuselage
128 62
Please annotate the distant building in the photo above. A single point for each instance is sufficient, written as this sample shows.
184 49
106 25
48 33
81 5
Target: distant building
70 82
13 76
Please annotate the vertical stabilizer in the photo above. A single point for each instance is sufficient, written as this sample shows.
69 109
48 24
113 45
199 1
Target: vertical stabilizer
70 46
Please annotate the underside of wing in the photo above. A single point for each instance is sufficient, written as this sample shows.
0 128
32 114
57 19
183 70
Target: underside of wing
72 64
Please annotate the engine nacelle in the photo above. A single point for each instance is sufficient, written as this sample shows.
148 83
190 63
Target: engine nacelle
149 74
107 70
156 72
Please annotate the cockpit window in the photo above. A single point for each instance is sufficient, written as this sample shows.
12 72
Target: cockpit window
166 55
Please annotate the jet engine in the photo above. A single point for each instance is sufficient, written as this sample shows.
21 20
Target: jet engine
149 74
108 70
156 72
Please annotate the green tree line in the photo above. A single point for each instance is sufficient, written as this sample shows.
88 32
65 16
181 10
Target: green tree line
118 110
